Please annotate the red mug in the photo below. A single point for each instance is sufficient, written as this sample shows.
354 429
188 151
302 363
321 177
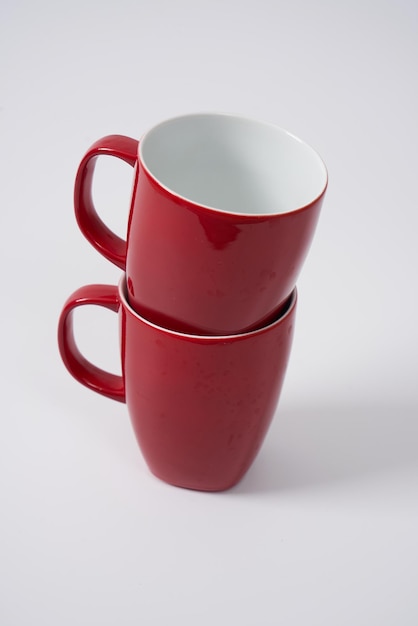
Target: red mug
222 216
200 406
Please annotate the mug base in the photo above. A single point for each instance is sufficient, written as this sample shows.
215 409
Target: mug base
193 485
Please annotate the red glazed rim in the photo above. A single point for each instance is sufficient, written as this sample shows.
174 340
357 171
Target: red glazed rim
285 311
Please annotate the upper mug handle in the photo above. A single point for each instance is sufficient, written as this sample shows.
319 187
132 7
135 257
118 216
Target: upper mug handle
91 225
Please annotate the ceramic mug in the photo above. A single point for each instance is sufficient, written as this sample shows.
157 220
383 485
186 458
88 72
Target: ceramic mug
222 215
200 406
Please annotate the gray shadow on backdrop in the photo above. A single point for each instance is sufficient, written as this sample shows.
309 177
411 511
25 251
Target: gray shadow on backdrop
319 446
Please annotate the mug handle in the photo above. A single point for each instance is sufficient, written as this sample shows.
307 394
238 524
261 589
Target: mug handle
91 225
109 385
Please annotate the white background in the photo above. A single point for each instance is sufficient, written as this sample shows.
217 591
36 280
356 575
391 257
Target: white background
324 528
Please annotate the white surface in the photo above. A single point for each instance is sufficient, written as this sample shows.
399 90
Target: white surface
323 530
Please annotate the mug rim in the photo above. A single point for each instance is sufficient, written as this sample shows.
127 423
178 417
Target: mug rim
213 209
290 301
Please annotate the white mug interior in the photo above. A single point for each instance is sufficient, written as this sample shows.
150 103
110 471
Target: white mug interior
233 164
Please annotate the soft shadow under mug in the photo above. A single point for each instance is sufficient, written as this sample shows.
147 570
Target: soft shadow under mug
222 215
200 406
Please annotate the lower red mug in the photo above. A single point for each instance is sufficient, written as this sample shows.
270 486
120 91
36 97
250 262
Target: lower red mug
200 406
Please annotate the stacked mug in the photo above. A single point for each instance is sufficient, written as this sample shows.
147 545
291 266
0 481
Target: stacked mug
222 215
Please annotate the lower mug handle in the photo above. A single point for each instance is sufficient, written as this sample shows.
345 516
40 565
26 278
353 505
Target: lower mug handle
93 377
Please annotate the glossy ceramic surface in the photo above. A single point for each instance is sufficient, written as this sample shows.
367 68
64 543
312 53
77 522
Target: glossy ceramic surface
200 406
222 216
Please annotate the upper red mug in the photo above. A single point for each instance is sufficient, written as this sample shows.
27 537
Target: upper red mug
222 216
